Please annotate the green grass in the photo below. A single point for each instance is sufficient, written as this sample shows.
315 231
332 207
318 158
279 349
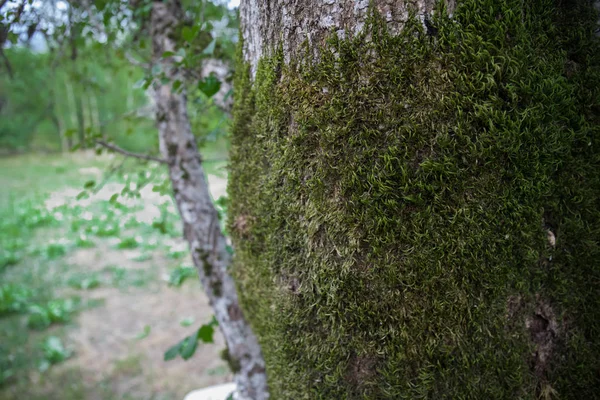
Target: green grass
37 174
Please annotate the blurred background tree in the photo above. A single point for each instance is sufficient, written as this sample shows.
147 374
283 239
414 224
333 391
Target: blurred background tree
67 78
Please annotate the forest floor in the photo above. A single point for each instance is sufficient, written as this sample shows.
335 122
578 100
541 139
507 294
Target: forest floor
93 287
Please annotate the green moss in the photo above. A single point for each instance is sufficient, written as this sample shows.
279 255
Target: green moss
217 288
206 264
399 195
234 365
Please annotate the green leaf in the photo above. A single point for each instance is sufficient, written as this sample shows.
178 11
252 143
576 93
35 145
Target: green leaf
113 198
176 85
210 49
189 348
144 334
188 34
167 54
100 4
89 184
180 274
205 333
209 85
106 18
173 351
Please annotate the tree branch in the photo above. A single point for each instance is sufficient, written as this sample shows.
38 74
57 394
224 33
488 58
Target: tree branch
119 150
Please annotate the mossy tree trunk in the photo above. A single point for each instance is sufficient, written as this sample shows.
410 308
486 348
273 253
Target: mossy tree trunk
415 197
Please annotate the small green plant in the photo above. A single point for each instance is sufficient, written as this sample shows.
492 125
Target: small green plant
122 277
149 244
129 243
180 274
177 253
54 250
83 242
13 299
55 311
33 216
84 281
104 229
118 275
142 257
8 258
54 352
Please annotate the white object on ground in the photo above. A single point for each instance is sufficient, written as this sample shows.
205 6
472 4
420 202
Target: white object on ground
218 392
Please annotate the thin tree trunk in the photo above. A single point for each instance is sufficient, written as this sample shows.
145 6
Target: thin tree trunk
77 97
71 109
201 224
80 119
98 101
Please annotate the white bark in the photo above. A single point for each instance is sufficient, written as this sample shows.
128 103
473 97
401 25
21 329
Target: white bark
201 225
266 24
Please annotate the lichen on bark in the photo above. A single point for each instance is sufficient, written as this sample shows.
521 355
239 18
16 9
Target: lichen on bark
397 192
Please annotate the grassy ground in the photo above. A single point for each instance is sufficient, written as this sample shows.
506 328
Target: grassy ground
91 281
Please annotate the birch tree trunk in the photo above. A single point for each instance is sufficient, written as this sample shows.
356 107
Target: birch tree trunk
208 246
415 197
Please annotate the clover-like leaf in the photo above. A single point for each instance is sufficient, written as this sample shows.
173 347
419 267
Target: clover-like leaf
209 85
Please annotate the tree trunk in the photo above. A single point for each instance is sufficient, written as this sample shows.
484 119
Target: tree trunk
201 223
99 106
71 106
77 95
78 98
415 197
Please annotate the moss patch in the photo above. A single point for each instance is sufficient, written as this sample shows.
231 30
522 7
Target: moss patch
398 195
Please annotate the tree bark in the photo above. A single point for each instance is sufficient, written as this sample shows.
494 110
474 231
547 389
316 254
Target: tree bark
207 243
71 109
77 97
415 196
80 118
